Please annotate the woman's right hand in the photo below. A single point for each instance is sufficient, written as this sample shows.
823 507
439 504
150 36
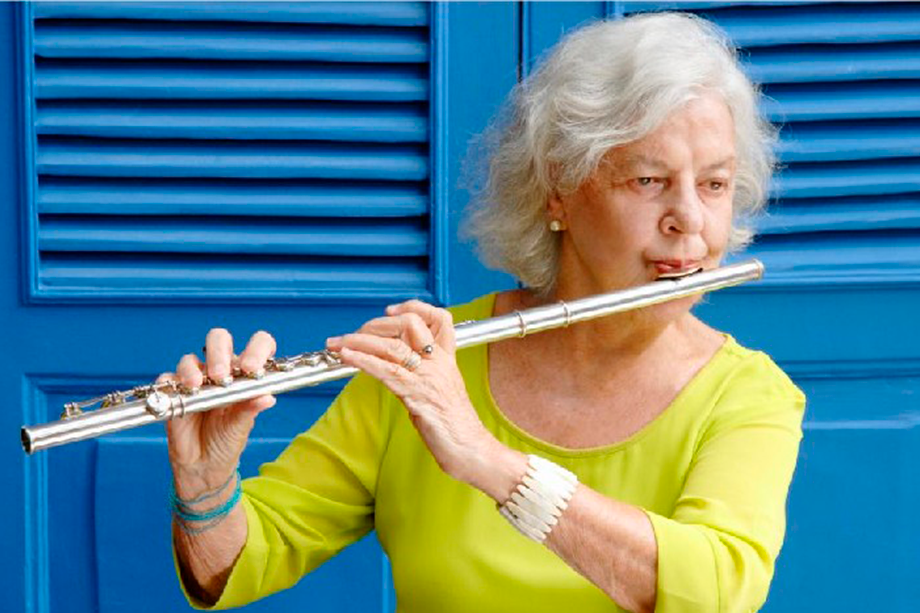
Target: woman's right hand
205 448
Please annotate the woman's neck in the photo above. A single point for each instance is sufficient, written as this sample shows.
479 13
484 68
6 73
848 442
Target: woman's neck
621 341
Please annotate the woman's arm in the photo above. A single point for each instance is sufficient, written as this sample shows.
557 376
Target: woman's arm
713 552
716 550
609 542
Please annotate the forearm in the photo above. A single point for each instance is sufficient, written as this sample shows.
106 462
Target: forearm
207 557
610 543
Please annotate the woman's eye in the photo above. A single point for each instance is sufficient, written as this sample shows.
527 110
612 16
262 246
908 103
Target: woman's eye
644 180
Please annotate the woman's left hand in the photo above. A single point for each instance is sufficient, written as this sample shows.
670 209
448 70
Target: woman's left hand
412 352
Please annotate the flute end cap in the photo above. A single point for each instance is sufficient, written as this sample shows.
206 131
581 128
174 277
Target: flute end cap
26 439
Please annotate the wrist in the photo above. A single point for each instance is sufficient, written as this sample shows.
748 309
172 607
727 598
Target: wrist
195 482
496 469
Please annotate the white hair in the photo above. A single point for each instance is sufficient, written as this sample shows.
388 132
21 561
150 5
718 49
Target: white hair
605 85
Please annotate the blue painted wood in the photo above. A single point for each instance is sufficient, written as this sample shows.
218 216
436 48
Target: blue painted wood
354 238
96 509
288 198
900 211
235 120
354 13
213 81
121 490
767 24
59 156
854 100
300 104
819 63
493 52
224 42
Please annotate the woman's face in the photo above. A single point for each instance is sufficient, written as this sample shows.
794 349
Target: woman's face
658 206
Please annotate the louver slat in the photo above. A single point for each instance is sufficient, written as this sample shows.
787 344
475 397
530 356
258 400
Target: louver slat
259 43
194 235
816 63
85 157
832 141
212 198
861 100
117 80
759 26
139 274
848 178
861 256
221 149
228 120
842 214
352 13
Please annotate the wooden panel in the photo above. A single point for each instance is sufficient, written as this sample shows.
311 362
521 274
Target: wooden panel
134 565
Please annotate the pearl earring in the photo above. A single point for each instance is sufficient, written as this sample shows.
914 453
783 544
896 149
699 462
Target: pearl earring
555 226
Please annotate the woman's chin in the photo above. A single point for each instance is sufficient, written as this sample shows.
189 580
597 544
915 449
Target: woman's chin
670 311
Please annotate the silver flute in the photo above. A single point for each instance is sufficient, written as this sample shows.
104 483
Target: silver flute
165 400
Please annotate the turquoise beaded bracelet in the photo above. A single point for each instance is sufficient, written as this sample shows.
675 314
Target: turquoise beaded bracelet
183 511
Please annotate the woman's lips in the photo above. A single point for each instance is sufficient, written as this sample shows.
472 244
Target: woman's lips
669 269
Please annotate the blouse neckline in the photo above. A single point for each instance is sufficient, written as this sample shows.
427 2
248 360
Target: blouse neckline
682 397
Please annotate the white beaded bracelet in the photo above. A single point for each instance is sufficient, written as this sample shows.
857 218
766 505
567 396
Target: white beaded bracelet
539 499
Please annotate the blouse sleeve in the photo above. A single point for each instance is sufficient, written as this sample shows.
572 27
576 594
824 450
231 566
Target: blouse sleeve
316 498
716 551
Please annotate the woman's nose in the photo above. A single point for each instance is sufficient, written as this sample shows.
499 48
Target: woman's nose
684 212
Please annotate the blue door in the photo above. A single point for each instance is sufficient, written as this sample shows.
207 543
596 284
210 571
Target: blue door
294 167
842 291
173 167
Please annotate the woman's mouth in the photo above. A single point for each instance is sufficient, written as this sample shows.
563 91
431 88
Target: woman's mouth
676 269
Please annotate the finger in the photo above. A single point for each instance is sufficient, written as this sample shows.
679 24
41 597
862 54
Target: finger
394 376
219 349
439 321
382 326
389 349
416 334
189 371
260 348
254 406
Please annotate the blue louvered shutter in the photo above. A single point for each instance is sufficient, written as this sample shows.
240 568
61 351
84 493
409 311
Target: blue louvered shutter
843 81
236 150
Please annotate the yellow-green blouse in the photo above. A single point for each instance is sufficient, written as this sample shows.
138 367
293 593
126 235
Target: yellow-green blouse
712 472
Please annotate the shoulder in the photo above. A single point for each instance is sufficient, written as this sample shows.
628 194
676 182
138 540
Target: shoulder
750 388
753 373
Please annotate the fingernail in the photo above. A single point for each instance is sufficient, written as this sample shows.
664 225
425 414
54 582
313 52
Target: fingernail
226 381
333 340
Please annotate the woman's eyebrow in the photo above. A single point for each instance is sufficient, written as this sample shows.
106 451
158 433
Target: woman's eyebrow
727 162
643 160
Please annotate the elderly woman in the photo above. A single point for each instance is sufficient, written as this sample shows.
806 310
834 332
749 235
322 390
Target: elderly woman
638 462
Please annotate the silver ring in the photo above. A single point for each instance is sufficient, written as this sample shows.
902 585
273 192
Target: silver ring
412 361
523 321
428 349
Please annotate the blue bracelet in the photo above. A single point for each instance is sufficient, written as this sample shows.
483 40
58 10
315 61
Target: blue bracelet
181 509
